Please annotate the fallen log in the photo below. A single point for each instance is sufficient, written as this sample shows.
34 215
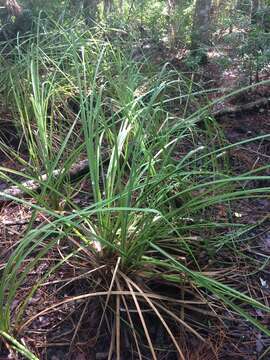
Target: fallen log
76 170
236 109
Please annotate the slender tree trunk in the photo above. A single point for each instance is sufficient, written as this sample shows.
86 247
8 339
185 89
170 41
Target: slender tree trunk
266 18
172 8
214 12
201 24
107 7
254 11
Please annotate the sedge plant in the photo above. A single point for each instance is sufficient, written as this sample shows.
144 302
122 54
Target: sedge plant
146 205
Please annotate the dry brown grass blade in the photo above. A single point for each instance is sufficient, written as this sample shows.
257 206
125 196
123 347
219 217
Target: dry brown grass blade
109 294
179 320
78 326
130 321
142 320
71 280
117 328
112 343
97 294
210 350
264 354
88 253
150 303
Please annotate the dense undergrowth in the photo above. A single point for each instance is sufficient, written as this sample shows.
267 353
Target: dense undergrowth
133 238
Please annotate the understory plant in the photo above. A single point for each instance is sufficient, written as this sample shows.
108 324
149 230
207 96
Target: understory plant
154 182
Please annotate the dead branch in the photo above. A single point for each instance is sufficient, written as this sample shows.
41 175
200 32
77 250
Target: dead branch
33 185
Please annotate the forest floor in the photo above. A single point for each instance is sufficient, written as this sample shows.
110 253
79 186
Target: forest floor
52 335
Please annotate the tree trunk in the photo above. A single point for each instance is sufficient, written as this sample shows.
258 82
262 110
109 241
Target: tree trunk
89 8
266 18
254 11
214 12
201 23
12 7
172 6
243 6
